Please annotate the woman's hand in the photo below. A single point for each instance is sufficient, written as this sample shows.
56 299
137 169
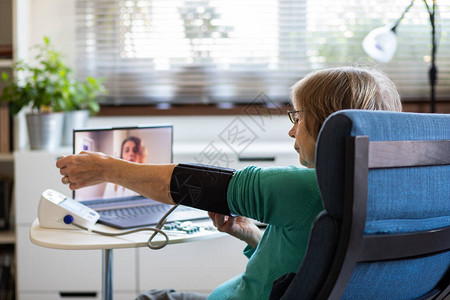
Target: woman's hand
240 227
84 169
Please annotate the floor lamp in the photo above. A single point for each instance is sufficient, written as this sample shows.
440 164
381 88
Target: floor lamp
381 44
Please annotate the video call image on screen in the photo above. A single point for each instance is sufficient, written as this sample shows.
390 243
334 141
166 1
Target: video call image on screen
141 145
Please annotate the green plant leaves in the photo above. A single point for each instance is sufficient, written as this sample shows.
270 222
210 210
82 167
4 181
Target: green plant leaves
50 84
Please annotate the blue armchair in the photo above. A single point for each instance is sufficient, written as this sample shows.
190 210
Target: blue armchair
384 179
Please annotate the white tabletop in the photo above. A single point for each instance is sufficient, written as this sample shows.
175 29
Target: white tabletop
77 239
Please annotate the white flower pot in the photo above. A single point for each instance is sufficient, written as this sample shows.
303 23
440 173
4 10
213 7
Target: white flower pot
73 120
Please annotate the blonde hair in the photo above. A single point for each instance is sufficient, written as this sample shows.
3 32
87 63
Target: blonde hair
323 92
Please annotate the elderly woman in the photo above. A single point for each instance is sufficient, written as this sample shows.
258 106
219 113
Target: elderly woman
285 198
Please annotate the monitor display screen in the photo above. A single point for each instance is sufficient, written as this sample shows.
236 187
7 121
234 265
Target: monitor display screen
143 144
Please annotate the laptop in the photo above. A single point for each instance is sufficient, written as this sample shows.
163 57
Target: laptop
119 207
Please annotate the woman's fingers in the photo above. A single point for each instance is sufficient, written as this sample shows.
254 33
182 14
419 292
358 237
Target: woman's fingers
80 170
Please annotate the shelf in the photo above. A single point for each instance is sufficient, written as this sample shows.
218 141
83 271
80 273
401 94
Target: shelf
7 237
5 63
6 157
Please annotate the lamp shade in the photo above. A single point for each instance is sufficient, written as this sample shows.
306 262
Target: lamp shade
380 44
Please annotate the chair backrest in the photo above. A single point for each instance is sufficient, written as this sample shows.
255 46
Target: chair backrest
384 179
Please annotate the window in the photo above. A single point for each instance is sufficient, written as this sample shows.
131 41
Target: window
231 51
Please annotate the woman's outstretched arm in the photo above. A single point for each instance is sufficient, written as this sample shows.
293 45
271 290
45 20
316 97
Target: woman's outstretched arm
90 168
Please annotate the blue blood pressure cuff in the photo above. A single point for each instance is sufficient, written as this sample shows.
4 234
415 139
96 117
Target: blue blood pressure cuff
201 186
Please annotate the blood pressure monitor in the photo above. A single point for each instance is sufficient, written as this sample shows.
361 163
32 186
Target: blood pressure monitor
58 211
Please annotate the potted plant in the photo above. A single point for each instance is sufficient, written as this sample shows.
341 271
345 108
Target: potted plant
80 104
48 89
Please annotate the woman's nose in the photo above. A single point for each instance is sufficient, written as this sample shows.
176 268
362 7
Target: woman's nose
292 131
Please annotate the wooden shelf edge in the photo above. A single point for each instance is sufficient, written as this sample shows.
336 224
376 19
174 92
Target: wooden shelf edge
6 157
5 63
7 237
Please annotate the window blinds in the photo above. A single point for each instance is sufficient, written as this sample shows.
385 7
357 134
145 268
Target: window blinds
232 51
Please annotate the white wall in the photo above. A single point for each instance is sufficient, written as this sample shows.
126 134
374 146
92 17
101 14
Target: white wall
52 18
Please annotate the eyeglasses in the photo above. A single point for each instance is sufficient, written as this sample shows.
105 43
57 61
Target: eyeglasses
294 115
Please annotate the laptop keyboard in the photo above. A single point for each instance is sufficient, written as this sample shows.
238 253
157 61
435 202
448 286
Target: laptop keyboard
131 212
137 212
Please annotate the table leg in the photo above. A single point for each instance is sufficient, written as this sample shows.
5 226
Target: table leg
107 280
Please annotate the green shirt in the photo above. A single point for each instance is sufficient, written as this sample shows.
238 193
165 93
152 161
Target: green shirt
286 198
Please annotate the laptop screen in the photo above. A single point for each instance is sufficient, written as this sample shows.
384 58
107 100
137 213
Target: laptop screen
142 144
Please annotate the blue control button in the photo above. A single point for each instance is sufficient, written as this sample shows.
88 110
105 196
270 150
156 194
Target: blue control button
68 219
